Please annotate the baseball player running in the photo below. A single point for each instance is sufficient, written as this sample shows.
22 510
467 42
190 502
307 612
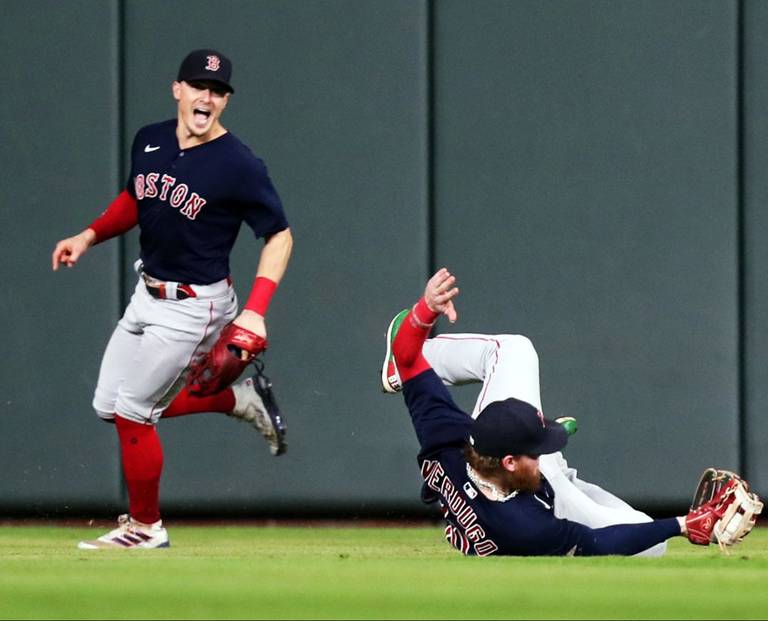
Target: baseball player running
507 365
488 472
192 184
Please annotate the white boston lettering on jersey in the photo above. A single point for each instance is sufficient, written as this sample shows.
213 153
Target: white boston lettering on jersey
176 195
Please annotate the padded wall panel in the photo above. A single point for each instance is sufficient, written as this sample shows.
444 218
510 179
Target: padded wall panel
586 197
59 151
756 250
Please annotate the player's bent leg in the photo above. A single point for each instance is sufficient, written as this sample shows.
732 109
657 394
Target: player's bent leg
507 364
255 404
185 403
172 333
251 400
573 504
119 353
601 496
405 339
461 358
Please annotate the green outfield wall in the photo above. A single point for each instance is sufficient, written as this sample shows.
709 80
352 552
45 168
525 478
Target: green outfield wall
594 171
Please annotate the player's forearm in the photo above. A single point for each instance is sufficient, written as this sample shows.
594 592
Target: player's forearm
627 539
121 216
439 424
275 256
272 265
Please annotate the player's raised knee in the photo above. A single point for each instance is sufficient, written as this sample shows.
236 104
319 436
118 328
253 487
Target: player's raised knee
518 346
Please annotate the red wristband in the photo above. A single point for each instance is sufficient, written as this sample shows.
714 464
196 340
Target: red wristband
424 315
261 294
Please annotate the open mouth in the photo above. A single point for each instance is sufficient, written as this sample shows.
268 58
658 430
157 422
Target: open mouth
201 115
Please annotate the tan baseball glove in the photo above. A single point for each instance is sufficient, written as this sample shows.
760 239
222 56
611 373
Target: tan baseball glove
723 509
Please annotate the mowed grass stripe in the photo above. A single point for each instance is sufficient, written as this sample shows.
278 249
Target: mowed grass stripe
237 572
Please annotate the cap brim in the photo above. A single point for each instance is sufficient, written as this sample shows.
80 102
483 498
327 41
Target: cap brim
555 439
208 78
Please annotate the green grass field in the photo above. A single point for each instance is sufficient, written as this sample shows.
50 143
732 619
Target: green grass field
244 572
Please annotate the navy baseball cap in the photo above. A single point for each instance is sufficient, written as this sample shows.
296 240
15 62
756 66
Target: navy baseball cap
208 65
514 427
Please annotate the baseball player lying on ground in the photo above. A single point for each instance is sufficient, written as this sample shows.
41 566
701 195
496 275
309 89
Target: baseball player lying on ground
503 485
508 366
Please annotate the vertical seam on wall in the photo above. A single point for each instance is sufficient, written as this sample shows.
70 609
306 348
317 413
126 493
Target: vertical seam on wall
120 103
741 416
119 95
431 130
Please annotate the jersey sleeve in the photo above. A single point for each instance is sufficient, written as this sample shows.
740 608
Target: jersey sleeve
626 539
259 200
527 526
540 533
439 423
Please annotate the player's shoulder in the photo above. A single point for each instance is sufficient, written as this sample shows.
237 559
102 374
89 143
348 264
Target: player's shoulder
243 157
163 132
244 151
159 128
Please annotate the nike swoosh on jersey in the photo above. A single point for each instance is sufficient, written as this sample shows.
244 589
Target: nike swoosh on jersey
149 149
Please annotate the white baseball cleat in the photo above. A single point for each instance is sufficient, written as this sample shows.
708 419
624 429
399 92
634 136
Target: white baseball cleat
255 404
129 535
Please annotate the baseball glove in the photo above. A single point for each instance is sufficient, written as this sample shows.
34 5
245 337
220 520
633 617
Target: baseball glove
221 366
723 509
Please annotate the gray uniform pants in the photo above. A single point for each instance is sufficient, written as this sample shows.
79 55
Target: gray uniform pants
145 363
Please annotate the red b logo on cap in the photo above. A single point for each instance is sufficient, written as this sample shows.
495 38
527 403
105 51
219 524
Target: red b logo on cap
213 63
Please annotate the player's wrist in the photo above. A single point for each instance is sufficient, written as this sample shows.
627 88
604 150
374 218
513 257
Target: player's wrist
423 314
88 236
261 295
251 321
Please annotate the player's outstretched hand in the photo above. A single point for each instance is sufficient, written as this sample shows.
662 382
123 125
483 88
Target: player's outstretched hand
69 250
439 294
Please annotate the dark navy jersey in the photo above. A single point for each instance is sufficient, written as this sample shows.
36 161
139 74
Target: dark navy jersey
524 525
192 202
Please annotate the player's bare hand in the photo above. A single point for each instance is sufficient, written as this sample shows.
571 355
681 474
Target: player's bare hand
439 294
252 321
69 250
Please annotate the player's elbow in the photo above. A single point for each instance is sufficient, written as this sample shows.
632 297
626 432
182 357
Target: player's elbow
287 239
281 242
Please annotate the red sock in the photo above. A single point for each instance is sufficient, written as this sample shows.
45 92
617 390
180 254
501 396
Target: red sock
142 456
410 339
185 403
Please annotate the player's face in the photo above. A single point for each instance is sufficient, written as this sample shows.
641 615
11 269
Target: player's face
524 474
200 105
529 464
